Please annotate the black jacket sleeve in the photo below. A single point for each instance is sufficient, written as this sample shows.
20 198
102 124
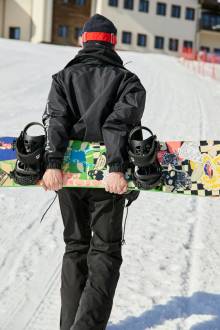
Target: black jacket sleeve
127 113
57 121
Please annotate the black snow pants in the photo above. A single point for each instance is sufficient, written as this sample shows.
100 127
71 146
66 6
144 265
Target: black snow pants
90 271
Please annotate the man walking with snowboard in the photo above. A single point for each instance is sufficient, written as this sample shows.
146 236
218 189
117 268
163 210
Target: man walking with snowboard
94 98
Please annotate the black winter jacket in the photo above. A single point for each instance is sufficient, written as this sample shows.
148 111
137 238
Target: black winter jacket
94 98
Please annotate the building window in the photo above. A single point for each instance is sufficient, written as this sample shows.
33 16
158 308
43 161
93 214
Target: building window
80 2
159 42
78 32
14 33
205 49
190 14
217 51
63 31
173 45
142 40
161 8
113 3
126 37
128 4
188 44
144 6
210 21
175 11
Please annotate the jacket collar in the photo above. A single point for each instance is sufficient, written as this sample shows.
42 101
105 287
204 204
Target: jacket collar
97 53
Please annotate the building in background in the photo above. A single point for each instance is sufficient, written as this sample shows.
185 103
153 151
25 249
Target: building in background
56 21
154 26
209 36
69 17
28 20
165 26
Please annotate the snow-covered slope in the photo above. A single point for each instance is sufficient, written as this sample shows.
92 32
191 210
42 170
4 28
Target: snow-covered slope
170 274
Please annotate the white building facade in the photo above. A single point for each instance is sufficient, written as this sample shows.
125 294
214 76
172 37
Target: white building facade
153 26
159 26
28 20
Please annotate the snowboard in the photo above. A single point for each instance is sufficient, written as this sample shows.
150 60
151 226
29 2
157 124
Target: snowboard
189 168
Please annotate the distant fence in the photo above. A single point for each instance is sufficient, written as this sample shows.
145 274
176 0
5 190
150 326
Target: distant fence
201 62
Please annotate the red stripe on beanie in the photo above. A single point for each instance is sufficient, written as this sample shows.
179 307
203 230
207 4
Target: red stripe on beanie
99 36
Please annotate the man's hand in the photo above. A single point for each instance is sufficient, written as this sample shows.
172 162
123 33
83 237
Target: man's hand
52 179
115 183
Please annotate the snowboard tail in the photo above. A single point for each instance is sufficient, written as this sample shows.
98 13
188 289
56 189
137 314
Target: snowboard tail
190 168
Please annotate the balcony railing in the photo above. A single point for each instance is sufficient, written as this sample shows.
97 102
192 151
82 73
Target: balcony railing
210 22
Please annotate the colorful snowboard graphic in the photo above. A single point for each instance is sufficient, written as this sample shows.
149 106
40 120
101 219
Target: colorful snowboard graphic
190 168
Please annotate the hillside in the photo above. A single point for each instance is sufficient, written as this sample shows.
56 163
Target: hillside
170 274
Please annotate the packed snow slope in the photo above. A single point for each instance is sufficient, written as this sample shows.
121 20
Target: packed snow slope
170 275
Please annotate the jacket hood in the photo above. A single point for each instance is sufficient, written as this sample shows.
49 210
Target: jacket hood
99 53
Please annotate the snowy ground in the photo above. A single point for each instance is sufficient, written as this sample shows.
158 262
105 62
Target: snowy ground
170 277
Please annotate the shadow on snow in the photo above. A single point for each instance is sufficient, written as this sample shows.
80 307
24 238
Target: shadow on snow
200 303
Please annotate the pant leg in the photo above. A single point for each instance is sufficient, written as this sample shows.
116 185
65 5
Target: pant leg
104 261
75 212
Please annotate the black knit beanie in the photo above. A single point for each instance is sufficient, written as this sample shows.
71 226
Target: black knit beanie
100 29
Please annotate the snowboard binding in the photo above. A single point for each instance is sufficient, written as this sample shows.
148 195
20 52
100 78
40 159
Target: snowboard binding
147 171
29 167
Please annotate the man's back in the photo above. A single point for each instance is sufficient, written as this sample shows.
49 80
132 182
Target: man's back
98 100
92 88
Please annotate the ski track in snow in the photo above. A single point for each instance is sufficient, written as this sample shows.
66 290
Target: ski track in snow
43 316
36 244
170 274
